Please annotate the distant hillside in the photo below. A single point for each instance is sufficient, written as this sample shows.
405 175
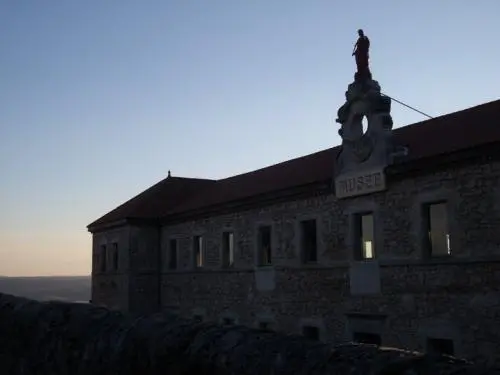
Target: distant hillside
65 288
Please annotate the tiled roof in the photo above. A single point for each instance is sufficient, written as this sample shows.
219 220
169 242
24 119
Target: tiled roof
456 131
156 201
442 135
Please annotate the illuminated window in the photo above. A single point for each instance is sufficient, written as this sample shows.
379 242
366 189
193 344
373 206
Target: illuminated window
364 236
198 251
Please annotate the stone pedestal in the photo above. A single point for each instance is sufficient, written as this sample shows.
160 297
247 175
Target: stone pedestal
361 163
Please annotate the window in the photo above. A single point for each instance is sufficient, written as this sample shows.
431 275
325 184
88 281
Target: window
227 249
115 256
366 338
172 254
309 242
228 322
440 346
310 332
264 246
103 257
364 236
436 226
265 326
198 251
198 318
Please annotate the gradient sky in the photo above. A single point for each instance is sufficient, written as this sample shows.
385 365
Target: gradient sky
99 99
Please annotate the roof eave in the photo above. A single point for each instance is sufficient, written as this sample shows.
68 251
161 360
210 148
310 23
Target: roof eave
484 152
98 226
292 192
135 221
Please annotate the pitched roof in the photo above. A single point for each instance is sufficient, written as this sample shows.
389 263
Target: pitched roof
441 135
453 132
155 201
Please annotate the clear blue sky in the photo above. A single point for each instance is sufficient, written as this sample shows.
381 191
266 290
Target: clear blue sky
99 99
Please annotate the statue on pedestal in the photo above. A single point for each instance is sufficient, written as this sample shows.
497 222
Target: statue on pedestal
364 99
360 52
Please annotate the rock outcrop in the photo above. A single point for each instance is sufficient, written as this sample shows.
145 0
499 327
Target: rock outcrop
62 338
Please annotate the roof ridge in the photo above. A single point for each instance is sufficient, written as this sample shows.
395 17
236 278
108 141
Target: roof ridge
280 163
190 178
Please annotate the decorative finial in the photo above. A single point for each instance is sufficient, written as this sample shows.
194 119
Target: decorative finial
169 174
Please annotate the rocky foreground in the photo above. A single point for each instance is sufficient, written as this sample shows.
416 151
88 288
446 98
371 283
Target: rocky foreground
55 338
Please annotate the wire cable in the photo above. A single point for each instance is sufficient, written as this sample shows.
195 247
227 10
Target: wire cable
408 106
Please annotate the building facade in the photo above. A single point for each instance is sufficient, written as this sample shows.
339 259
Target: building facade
401 251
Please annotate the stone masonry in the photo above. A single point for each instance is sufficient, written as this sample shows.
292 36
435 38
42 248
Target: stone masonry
409 297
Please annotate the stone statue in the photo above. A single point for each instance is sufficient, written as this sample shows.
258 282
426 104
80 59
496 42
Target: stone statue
363 156
360 53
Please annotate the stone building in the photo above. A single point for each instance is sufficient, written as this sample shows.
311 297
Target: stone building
391 238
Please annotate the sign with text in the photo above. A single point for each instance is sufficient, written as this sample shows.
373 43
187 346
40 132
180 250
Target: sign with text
359 183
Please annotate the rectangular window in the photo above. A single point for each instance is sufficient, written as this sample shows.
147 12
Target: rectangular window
436 226
440 346
364 236
198 251
228 322
103 259
264 246
172 254
311 332
265 326
198 318
227 249
115 256
366 338
309 241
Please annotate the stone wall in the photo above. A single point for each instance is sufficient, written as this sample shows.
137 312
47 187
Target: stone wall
408 297
110 286
134 285
144 269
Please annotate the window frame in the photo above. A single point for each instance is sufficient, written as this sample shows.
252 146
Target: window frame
103 258
115 260
259 259
170 252
357 231
198 245
301 243
427 245
226 261
306 327
362 207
